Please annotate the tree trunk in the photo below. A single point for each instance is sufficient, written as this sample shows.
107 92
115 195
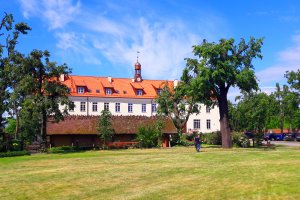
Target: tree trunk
17 130
224 122
44 130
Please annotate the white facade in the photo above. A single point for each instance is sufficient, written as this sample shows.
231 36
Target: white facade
206 121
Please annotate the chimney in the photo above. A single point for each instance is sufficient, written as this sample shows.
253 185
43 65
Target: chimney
132 80
176 83
109 79
62 77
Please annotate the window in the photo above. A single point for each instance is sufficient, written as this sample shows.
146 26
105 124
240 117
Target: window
158 91
143 108
97 91
106 106
196 123
139 92
72 109
207 109
153 107
117 107
80 90
208 124
108 91
95 106
82 106
130 107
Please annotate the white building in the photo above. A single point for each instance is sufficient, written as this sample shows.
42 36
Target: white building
125 96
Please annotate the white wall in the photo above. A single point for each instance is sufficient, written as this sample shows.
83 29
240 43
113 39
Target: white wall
136 106
213 115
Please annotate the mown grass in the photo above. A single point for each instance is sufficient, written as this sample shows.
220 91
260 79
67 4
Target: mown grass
176 173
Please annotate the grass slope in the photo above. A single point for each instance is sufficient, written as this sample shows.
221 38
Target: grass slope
177 173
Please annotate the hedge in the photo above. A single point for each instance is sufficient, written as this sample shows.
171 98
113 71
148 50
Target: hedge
14 153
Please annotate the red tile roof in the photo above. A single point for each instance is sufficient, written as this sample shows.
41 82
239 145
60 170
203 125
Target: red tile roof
121 125
122 87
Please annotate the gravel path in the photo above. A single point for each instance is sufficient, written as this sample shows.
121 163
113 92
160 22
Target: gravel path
287 143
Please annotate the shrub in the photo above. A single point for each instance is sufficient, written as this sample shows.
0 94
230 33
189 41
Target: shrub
63 149
214 138
239 139
69 149
14 153
147 137
191 136
15 145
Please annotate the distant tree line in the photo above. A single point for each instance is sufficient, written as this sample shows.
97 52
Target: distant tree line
258 111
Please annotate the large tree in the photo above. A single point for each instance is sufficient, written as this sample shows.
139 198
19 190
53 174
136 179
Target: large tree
220 66
46 92
9 34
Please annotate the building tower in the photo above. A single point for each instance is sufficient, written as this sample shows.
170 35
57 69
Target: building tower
138 72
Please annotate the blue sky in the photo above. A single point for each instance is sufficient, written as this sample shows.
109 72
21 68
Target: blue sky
101 38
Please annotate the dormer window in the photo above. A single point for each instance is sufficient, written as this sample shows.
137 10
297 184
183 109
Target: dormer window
139 92
80 90
97 91
108 91
159 91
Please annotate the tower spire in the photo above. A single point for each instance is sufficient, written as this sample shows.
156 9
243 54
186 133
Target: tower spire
137 56
137 69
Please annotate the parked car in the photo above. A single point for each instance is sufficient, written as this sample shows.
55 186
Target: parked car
297 137
290 137
273 136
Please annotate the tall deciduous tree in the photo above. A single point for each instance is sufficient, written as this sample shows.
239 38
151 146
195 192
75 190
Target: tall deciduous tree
221 66
9 34
177 103
294 80
47 92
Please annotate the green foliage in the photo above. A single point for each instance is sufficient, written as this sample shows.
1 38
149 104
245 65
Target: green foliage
177 103
214 138
105 127
68 149
63 149
9 67
11 126
147 137
220 66
293 79
253 112
239 139
151 135
30 89
13 153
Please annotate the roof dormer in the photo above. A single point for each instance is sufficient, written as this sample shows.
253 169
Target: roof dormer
80 89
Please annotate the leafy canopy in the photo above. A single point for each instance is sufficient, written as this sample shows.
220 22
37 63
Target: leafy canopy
223 65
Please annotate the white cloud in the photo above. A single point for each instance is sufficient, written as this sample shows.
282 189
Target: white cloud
162 46
57 13
288 60
74 47
115 35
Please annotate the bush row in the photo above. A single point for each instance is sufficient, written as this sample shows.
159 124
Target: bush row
14 153
69 149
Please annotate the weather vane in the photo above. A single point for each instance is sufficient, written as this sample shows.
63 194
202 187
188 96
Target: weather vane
137 56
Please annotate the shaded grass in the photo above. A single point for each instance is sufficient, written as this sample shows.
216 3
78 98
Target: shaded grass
177 173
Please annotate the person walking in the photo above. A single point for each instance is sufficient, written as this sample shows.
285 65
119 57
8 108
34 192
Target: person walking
197 142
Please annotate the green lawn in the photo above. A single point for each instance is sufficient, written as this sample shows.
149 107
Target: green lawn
176 173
